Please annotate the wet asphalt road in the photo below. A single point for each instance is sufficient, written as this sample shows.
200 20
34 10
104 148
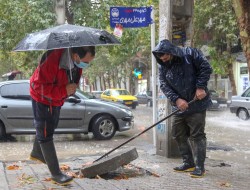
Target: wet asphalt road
228 139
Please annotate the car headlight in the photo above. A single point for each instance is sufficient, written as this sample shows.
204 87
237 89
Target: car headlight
120 100
129 112
214 101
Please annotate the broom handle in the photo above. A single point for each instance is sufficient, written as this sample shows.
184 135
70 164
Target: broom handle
168 116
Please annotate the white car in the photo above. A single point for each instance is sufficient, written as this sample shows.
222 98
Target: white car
240 105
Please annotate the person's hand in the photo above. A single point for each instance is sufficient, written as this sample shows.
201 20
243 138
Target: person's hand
71 88
182 104
200 94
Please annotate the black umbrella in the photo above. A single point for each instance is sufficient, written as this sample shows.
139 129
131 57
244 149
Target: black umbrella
65 36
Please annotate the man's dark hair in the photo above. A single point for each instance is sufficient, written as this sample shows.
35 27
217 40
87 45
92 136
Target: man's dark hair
82 51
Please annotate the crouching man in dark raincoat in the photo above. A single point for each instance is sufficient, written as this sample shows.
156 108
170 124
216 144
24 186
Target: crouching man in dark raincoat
184 74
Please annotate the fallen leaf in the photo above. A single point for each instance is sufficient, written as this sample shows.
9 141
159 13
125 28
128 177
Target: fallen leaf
72 174
225 184
26 179
64 167
121 177
14 167
47 179
154 174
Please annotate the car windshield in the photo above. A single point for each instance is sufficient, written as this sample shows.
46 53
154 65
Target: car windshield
149 93
213 93
120 92
85 95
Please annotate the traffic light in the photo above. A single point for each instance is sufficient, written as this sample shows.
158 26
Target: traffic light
137 73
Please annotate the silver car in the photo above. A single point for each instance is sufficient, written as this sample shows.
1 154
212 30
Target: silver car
240 105
79 114
145 98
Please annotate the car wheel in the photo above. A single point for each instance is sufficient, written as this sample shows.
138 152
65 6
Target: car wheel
149 103
243 114
104 127
2 131
134 107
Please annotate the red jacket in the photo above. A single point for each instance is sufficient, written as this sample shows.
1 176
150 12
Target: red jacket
48 82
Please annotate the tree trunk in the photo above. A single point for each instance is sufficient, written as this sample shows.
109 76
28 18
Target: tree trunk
69 12
148 71
60 11
215 81
230 68
242 11
231 78
124 82
104 83
114 80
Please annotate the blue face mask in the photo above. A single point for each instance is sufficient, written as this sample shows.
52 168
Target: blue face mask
81 65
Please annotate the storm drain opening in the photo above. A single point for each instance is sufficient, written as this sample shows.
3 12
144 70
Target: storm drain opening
126 172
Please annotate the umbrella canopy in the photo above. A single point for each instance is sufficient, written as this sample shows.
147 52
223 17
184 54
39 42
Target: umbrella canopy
65 36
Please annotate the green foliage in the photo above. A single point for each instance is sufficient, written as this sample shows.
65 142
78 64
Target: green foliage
21 17
18 18
217 19
133 40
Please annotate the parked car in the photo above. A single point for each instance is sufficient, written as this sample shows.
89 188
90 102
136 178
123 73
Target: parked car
97 94
215 105
79 114
12 75
218 102
120 96
145 97
240 105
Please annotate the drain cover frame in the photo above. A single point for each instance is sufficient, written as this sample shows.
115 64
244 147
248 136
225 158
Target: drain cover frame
110 163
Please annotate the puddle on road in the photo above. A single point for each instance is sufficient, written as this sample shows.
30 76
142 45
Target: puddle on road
213 146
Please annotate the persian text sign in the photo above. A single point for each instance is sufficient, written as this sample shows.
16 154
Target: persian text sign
130 17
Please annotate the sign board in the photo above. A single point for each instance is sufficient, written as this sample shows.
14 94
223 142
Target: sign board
130 17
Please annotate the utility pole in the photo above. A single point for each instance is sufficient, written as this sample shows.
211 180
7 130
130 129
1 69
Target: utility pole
165 145
175 25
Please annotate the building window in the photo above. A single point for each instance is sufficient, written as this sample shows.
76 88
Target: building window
243 70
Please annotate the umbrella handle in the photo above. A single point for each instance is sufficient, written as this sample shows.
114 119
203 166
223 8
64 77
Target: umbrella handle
70 72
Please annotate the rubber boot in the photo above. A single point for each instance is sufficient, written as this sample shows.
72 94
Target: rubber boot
49 153
36 153
186 153
199 151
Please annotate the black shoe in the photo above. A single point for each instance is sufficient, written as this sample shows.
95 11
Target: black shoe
198 173
185 167
61 179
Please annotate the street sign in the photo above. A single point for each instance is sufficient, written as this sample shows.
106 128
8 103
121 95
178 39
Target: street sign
130 17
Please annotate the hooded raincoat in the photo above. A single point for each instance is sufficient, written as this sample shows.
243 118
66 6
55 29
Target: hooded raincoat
183 74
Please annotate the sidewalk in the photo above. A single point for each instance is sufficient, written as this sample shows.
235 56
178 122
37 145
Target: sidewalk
219 175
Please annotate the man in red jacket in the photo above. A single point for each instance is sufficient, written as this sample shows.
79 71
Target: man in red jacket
56 77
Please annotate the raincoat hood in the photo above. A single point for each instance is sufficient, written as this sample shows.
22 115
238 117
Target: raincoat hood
165 46
66 60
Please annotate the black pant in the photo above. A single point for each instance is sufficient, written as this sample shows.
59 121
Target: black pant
189 126
46 119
